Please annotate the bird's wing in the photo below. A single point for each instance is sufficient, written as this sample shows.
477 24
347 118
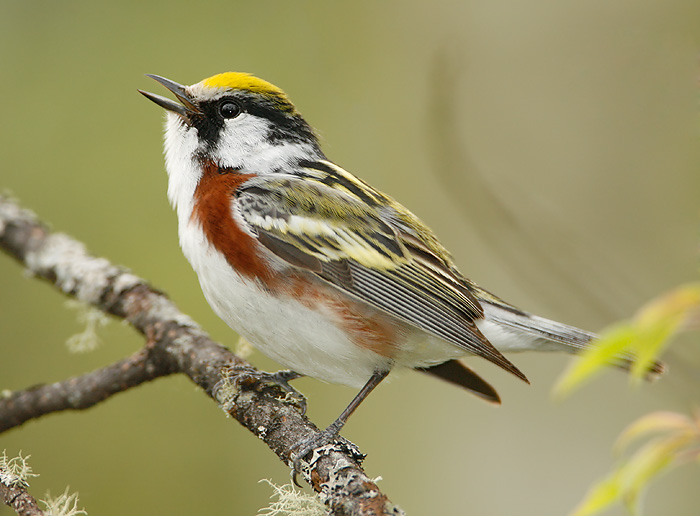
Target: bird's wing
361 249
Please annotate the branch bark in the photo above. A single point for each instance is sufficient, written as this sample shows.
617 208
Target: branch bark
79 393
20 500
176 344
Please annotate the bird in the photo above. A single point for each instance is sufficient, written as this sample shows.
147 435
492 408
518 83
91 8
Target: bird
317 269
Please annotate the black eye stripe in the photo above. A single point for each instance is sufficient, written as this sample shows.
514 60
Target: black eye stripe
287 125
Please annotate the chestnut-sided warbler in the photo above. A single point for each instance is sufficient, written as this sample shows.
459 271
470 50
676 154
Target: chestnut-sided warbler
312 265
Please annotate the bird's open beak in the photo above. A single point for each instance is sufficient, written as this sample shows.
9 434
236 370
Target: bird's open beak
185 109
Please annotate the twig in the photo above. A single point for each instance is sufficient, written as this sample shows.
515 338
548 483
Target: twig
175 345
20 500
78 393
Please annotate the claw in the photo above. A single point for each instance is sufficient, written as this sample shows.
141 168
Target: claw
273 383
321 444
302 449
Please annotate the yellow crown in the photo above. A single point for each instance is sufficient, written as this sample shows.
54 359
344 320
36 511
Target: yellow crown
243 81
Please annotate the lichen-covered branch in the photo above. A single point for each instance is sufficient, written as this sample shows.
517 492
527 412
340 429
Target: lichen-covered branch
175 345
15 473
20 500
81 392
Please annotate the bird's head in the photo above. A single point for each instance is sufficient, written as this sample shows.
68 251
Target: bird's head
235 120
231 121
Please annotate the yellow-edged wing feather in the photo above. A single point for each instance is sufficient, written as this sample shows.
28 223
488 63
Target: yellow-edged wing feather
360 241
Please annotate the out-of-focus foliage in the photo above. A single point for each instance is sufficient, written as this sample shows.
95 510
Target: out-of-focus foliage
678 443
645 337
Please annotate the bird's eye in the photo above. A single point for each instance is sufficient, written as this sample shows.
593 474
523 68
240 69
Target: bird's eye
229 109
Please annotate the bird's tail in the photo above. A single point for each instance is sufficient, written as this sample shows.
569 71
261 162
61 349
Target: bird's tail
510 329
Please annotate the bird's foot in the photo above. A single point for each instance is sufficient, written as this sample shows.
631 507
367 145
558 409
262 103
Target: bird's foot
303 448
321 443
275 385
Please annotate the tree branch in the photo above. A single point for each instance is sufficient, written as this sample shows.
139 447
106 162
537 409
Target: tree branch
79 393
175 345
20 500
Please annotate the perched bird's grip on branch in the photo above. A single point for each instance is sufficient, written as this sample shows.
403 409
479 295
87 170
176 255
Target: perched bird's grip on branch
175 345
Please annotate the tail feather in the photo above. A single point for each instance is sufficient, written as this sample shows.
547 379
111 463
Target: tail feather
457 373
510 329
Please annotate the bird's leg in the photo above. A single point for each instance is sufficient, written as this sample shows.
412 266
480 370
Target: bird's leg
303 448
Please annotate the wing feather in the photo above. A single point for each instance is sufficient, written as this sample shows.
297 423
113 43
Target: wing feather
380 260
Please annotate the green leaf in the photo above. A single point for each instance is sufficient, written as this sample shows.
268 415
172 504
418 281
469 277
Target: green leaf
628 481
600 496
594 358
645 337
660 421
660 320
646 463
630 478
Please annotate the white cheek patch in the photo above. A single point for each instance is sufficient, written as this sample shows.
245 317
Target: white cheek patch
181 144
244 144
241 139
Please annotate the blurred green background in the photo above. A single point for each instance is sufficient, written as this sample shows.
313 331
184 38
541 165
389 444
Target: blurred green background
551 145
